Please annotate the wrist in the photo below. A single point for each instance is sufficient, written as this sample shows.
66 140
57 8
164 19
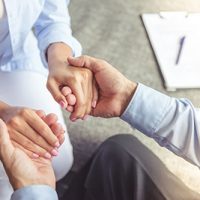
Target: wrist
18 184
127 95
57 53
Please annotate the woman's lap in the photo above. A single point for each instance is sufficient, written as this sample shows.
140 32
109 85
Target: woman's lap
28 89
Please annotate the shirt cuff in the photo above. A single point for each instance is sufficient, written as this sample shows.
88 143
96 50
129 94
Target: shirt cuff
56 34
35 192
146 109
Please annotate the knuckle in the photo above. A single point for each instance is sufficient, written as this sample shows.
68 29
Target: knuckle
14 122
24 112
73 80
87 74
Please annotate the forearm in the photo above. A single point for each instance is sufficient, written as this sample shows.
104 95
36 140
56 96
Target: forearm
57 53
173 123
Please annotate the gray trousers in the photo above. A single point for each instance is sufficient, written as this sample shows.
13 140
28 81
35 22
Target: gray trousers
124 169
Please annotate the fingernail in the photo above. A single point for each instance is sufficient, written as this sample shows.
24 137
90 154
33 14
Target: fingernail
35 155
62 104
63 131
54 152
74 119
57 144
94 103
85 117
47 155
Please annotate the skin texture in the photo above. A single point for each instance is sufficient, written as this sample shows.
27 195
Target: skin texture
115 90
32 130
80 81
29 172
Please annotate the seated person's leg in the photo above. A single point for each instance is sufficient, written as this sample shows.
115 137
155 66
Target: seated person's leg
29 89
124 169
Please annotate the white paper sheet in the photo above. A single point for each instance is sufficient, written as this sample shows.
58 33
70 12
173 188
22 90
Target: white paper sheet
165 31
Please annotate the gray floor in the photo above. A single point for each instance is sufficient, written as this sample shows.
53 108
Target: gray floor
112 29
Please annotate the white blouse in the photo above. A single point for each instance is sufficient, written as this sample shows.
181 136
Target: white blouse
4 31
2 10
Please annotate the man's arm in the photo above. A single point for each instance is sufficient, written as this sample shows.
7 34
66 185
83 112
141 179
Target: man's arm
173 123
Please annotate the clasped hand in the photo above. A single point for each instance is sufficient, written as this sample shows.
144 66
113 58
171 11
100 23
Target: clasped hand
104 91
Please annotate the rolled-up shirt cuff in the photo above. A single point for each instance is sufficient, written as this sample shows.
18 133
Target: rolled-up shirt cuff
56 34
35 192
146 109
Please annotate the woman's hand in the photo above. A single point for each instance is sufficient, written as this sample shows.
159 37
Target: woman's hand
115 90
82 85
79 80
22 170
33 131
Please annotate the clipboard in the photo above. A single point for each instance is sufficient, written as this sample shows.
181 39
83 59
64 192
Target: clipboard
165 31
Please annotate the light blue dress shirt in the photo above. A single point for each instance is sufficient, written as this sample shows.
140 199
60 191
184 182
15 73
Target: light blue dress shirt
25 49
35 192
26 32
173 123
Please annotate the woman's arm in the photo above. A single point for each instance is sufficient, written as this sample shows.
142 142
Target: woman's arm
57 44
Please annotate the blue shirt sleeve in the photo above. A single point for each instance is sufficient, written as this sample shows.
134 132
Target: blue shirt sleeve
53 25
173 123
35 192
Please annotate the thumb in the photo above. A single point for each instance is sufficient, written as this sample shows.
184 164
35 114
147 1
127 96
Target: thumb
86 61
53 87
6 147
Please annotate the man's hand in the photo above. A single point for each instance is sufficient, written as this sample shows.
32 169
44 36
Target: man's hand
21 169
80 81
115 90
33 130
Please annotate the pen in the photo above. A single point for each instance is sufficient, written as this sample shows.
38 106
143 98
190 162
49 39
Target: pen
181 43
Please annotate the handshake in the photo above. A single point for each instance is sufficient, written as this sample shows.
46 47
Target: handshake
103 92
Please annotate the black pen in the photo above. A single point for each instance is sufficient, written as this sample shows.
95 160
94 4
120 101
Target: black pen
181 43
